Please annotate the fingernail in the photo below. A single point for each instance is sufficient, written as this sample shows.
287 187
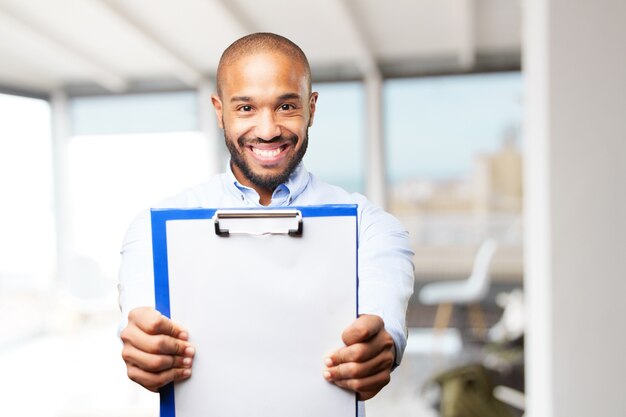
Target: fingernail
328 362
327 375
183 335
187 372
187 361
189 351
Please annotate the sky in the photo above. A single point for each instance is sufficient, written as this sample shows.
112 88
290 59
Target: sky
434 126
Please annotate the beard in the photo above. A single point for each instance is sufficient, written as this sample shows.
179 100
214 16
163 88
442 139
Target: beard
266 181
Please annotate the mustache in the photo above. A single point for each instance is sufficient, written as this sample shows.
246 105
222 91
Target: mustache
290 139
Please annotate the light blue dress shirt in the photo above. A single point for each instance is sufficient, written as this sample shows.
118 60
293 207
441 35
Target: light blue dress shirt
385 258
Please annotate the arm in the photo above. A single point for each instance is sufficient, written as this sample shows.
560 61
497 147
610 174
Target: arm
375 342
156 350
386 273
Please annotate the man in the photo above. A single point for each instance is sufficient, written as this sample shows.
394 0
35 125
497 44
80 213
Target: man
265 106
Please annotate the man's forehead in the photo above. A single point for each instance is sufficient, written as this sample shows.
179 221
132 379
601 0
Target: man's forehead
265 68
269 61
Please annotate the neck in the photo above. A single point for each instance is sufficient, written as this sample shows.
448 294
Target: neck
265 194
265 199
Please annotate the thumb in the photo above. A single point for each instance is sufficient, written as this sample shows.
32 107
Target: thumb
362 329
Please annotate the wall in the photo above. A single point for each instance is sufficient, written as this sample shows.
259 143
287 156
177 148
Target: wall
575 69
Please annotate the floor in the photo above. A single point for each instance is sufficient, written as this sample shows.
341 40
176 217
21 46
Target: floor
407 394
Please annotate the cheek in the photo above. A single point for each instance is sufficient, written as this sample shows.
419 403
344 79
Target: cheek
233 130
297 127
239 128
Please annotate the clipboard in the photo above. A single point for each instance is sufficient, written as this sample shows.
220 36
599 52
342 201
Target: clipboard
265 295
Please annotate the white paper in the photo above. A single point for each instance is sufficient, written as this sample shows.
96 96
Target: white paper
262 312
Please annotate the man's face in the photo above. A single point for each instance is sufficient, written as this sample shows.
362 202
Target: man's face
265 110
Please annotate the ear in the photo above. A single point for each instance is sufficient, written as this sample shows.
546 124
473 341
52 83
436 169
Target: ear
217 104
312 104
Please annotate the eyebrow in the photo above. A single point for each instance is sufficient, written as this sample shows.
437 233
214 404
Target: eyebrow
290 96
240 98
286 96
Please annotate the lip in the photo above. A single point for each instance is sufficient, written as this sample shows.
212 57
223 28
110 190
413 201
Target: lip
268 154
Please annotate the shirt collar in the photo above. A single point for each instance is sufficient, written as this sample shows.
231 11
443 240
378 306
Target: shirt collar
283 195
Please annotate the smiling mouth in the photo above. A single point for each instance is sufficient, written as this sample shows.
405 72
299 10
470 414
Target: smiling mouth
268 154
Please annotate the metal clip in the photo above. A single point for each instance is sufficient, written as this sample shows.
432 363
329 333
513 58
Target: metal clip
258 214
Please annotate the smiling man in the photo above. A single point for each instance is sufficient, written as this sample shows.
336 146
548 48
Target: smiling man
265 106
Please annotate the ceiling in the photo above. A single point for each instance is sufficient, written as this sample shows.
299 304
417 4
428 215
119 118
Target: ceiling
113 46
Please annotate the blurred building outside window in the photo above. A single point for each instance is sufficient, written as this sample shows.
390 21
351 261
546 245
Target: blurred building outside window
455 168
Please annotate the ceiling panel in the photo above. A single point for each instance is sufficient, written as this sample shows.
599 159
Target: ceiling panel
315 26
36 55
411 28
498 25
19 77
89 27
118 43
199 30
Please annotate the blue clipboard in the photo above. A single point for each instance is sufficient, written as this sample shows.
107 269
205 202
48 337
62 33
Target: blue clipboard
314 226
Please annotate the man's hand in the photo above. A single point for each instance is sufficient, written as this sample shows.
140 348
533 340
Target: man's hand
364 364
156 350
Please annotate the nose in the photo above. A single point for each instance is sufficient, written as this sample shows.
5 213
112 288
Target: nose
267 127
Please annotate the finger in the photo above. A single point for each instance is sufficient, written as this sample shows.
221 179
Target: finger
361 352
355 370
153 322
156 344
151 362
367 387
153 381
362 329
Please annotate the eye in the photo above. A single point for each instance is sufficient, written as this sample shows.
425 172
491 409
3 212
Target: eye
287 107
245 108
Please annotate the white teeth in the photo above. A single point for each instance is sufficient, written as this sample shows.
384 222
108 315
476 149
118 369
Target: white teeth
266 153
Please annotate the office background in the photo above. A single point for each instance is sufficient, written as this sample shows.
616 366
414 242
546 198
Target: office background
425 107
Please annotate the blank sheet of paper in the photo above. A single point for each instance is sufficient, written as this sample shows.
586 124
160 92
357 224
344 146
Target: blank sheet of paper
262 312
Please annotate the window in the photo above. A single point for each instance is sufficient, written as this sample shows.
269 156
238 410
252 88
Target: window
455 165
26 212
336 152
130 151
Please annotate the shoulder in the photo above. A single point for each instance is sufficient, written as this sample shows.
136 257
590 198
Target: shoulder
370 214
206 194
320 192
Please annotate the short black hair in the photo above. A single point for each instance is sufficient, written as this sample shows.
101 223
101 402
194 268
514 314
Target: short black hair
261 42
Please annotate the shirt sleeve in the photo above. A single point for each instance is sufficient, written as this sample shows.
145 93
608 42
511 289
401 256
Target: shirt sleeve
136 275
386 272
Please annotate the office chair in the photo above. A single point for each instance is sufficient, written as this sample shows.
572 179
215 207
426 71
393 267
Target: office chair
468 292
